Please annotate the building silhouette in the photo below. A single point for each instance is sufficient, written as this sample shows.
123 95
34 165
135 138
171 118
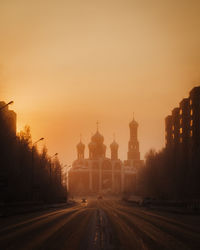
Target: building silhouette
100 174
133 145
182 129
182 134
7 121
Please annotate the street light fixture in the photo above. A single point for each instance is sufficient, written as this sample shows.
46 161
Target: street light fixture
32 161
54 155
41 139
50 163
9 103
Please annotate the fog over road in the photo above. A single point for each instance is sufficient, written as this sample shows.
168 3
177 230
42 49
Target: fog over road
100 224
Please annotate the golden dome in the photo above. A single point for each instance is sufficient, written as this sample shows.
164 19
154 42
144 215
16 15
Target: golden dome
114 145
80 145
97 138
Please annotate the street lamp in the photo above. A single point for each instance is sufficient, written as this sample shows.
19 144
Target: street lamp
41 139
50 163
32 161
9 103
66 178
32 155
53 155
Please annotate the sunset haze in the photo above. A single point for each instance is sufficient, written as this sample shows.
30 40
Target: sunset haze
67 64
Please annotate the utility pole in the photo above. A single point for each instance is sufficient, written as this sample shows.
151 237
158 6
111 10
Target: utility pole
32 166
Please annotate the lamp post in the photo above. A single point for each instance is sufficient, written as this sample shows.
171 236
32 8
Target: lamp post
4 106
50 163
66 178
32 161
41 139
50 175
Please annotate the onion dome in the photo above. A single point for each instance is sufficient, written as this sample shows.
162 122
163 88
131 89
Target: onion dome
133 123
97 138
114 145
80 146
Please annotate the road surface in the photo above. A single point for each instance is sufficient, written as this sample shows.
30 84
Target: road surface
100 224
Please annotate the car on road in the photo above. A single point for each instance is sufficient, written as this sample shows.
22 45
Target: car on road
83 200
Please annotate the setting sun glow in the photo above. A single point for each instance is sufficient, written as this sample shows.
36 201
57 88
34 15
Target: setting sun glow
67 64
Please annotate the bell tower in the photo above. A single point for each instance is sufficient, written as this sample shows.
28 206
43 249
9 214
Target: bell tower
133 145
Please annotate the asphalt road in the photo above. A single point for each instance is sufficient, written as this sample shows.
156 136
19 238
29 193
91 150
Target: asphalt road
103 224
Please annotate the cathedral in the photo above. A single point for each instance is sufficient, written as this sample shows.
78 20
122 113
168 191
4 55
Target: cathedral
101 175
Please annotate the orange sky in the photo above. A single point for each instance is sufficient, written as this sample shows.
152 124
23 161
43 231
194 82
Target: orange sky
67 64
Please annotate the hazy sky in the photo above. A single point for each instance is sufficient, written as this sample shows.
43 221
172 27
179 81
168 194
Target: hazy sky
67 64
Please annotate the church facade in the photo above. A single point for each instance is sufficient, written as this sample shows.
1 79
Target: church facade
101 175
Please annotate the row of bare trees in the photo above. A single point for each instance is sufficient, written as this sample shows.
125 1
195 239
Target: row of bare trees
170 174
27 174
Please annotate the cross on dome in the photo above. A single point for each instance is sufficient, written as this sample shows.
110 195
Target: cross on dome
97 125
80 145
133 122
114 144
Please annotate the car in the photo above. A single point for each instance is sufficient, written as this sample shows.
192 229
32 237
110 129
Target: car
83 200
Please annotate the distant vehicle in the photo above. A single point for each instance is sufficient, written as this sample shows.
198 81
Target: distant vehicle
84 200
99 197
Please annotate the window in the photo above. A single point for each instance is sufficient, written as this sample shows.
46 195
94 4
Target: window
181 140
191 112
191 123
191 133
173 128
181 112
173 136
190 102
181 130
181 121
